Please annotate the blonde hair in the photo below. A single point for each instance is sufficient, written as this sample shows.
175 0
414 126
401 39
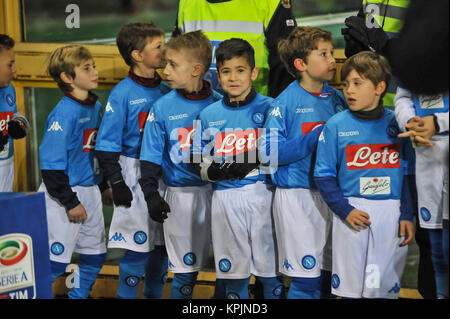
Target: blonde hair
368 65
298 45
196 43
65 59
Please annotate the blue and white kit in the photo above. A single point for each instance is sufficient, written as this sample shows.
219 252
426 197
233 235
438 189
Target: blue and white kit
68 145
242 229
167 143
368 161
302 219
121 132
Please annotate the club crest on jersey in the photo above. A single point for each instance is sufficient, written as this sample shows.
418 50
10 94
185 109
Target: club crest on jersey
232 143
185 137
10 100
142 119
5 117
370 156
258 118
310 126
89 139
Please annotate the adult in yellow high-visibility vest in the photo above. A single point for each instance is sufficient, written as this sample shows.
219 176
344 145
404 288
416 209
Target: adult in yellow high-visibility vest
261 22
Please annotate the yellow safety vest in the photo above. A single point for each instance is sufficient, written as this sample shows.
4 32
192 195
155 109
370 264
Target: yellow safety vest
389 15
245 19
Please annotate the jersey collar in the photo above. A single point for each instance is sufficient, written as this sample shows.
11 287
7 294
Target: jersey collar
146 82
89 101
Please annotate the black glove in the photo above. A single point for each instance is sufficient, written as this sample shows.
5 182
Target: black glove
3 140
243 164
373 39
352 46
16 129
157 207
219 172
122 195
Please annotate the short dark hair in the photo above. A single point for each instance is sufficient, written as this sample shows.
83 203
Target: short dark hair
235 47
6 42
134 36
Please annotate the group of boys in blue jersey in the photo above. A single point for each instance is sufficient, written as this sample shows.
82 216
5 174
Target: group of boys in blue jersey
308 185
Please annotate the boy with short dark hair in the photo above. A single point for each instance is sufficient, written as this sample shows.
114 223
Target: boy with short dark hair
302 219
166 152
70 173
13 125
241 213
359 171
118 148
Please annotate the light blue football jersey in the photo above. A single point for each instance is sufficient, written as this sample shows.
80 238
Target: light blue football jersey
295 113
226 131
125 116
366 157
168 137
69 142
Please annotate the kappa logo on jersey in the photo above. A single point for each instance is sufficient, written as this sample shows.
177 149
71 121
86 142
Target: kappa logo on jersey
232 143
375 185
185 136
372 156
117 237
5 117
142 119
138 101
276 112
151 117
310 126
89 139
109 108
322 137
395 289
55 127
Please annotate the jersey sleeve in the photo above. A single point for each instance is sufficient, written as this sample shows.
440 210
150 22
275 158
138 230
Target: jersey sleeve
154 138
53 151
109 137
276 129
327 157
404 107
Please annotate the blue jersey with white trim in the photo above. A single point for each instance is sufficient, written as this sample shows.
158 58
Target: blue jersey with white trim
366 157
226 131
125 116
69 142
8 108
296 112
168 137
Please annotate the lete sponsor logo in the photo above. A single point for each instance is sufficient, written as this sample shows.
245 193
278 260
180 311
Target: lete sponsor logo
5 117
310 126
17 279
372 156
89 139
185 136
232 143
142 119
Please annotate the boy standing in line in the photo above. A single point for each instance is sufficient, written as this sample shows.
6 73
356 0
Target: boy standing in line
13 125
302 219
359 171
118 148
70 172
242 230
166 152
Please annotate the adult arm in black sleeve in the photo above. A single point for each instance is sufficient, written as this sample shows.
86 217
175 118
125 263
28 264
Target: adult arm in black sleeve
57 184
280 26
421 50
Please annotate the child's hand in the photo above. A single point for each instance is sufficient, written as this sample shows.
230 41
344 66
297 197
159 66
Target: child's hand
358 218
406 230
107 198
428 130
77 214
